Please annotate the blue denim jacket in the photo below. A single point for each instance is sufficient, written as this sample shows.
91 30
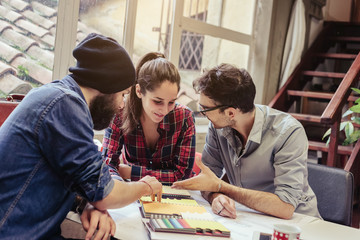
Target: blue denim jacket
47 155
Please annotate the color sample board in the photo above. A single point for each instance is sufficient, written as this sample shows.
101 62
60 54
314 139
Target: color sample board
168 192
189 226
166 210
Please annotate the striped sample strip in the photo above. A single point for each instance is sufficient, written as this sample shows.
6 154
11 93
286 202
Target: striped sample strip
168 210
189 226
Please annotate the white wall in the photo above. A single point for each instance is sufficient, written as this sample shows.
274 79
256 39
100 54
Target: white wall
338 10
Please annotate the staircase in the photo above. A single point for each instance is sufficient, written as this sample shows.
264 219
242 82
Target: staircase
319 91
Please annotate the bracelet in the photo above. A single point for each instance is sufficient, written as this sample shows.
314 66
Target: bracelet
219 187
148 185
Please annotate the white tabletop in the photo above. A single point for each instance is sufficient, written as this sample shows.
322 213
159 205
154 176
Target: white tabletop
129 225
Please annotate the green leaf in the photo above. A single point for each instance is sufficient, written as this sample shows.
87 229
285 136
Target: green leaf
356 90
349 129
352 138
357 100
327 133
356 120
347 113
327 142
343 125
355 108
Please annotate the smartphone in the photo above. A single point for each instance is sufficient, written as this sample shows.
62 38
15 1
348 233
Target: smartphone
265 236
261 236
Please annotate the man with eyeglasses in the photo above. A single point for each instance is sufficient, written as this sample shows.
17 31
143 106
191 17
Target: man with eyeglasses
262 150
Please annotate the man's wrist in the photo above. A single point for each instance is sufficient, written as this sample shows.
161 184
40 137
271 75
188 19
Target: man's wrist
209 196
219 186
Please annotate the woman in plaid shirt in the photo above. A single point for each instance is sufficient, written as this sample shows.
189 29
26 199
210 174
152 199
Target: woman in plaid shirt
152 135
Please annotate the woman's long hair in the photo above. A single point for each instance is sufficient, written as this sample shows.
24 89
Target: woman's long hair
152 70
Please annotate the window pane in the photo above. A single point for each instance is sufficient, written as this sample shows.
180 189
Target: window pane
199 52
152 28
104 17
27 38
236 15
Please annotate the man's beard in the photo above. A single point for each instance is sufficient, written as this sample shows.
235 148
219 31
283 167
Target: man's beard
102 110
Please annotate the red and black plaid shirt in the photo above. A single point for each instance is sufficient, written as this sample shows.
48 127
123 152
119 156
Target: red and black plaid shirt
173 156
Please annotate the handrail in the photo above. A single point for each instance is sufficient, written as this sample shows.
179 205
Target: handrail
333 111
342 93
331 116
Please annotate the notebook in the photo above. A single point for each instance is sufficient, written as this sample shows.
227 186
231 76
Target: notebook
167 210
185 201
189 226
168 192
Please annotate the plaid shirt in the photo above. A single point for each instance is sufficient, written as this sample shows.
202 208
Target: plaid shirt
173 156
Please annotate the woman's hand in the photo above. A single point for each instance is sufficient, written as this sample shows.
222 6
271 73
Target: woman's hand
124 171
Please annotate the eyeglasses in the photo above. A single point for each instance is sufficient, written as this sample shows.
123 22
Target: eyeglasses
203 109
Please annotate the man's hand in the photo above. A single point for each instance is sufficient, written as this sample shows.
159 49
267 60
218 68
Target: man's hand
93 219
205 181
224 206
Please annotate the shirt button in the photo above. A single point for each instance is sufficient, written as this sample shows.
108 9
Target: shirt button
151 162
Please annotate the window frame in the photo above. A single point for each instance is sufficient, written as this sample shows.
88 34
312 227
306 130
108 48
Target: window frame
66 30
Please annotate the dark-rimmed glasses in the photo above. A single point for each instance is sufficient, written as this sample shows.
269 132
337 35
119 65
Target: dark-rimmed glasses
203 109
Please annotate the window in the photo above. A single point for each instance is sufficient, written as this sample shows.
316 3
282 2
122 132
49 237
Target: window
193 34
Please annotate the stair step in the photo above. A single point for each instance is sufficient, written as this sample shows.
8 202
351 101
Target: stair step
345 39
321 146
306 117
343 56
317 95
324 74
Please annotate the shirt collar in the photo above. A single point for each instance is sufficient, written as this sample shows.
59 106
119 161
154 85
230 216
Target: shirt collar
256 130
165 123
70 83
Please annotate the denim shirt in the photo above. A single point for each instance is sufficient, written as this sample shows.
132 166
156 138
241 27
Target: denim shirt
47 155
272 160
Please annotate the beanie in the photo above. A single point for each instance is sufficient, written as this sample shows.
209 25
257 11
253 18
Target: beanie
102 64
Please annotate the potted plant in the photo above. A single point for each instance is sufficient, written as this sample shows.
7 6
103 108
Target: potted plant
351 135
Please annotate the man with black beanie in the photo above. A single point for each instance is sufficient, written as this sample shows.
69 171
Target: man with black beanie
47 154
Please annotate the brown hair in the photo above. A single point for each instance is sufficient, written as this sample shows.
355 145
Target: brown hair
152 70
228 85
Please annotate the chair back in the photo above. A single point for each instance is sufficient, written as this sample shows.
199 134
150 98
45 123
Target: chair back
5 109
334 189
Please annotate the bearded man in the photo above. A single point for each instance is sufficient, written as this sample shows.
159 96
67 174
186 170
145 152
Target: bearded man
47 153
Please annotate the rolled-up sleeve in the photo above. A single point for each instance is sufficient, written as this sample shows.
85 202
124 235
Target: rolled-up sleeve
66 126
290 166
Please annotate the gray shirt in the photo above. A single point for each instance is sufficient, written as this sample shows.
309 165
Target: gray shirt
273 159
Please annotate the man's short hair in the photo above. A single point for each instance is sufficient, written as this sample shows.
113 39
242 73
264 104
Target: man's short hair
228 85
